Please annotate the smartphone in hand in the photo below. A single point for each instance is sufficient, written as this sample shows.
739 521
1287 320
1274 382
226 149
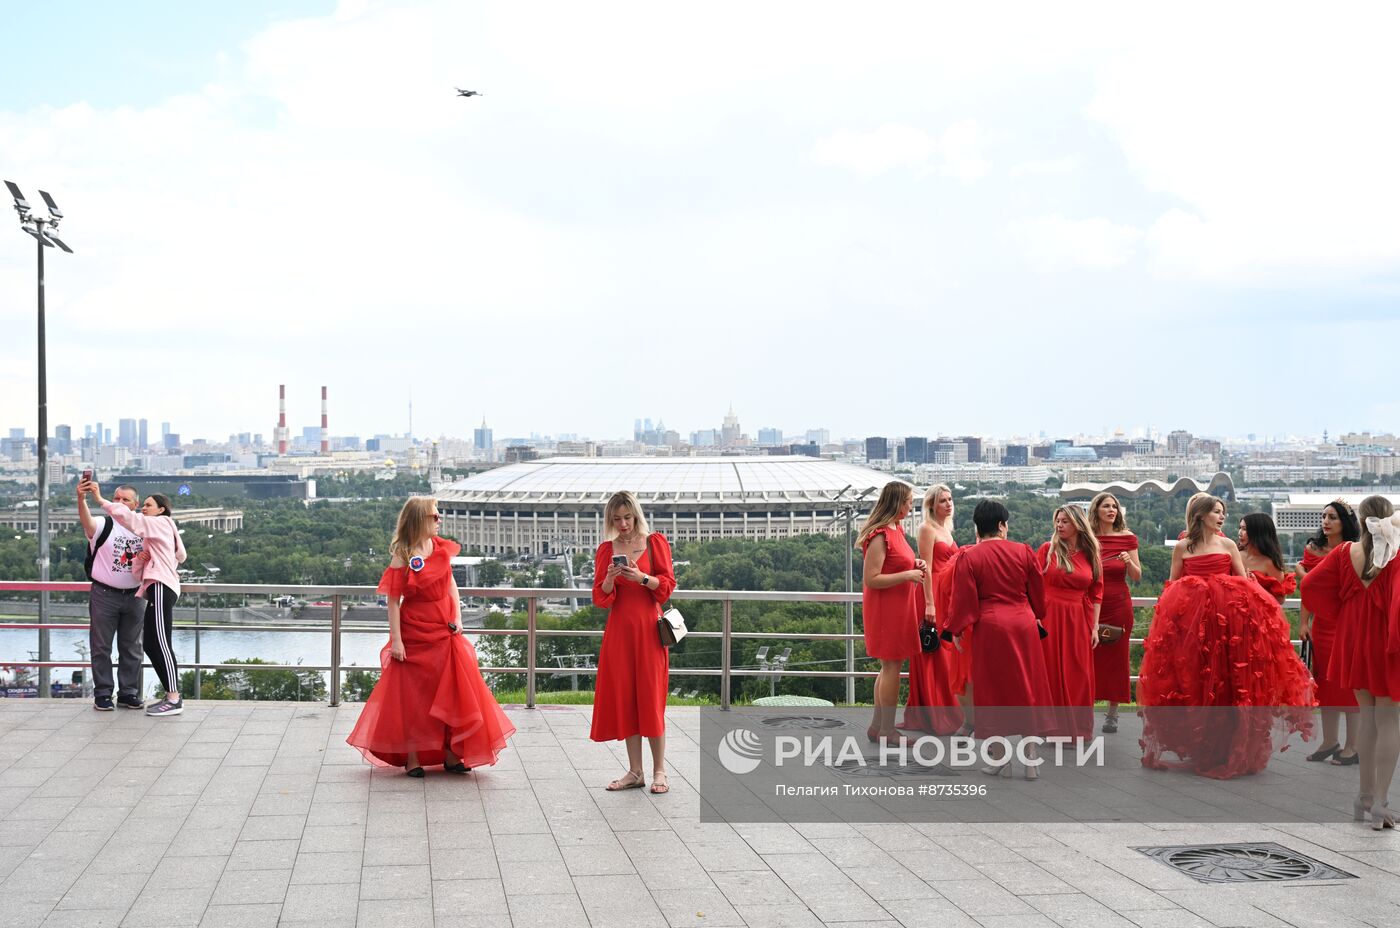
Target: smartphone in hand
87 475
620 560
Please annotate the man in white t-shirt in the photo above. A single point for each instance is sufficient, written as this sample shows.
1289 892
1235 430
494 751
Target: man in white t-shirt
114 610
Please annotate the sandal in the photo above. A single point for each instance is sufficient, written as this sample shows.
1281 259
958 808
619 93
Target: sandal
415 772
632 779
1342 760
458 767
1325 753
659 784
1110 724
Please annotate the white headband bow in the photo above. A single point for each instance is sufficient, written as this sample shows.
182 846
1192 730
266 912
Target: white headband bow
1385 539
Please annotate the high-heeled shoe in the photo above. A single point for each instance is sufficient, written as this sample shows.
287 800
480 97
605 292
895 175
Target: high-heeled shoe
872 734
1032 773
1360 807
1381 817
459 767
1003 769
1325 753
415 772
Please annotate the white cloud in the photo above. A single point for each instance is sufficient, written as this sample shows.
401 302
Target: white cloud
1054 244
956 153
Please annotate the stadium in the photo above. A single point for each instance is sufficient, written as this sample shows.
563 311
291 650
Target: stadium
543 507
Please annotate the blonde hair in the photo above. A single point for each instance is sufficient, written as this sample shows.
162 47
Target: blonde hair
1200 506
415 524
1372 507
886 512
1120 524
623 499
931 500
1086 542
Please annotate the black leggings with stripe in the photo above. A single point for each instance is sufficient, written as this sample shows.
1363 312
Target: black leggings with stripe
160 621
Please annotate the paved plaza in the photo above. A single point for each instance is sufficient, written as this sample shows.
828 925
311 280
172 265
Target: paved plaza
258 814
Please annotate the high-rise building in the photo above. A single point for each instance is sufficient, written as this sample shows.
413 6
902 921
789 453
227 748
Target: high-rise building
819 437
106 437
142 435
1179 443
916 450
62 439
770 437
1016 456
126 433
974 448
97 436
730 433
877 449
481 438
705 438
172 442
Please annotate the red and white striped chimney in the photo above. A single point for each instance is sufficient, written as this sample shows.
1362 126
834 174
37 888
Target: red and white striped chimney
280 434
325 434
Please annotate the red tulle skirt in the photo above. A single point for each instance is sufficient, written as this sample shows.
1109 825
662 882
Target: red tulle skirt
435 697
1220 684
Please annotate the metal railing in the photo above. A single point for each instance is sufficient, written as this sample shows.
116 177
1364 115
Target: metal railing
339 595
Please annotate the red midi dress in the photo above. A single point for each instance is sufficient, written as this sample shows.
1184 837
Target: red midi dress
997 589
1366 649
1220 683
633 664
1324 635
890 617
933 702
435 695
1111 664
1069 621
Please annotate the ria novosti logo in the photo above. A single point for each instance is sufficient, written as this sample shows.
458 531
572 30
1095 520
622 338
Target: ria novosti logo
740 751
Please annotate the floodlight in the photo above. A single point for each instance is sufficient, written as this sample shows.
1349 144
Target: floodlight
53 207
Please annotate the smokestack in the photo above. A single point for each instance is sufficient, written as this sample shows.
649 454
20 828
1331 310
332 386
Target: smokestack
325 435
280 433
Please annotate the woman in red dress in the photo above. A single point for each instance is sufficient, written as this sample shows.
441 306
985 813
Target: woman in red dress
431 705
1073 594
1338 525
632 577
1359 583
997 588
1219 672
933 704
1118 548
890 580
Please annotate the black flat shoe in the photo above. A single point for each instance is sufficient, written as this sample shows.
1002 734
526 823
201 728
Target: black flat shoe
416 772
1325 753
458 767
1341 760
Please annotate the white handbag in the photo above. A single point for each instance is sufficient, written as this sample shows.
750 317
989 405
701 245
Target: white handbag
671 627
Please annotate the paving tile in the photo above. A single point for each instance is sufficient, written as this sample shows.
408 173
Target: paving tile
252 915
335 867
460 898
395 913
557 910
319 904
239 887
83 918
398 882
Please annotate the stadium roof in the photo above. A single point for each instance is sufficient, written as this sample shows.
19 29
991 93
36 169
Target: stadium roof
1220 481
681 479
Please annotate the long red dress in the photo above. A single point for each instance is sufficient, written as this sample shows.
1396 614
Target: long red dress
435 695
1366 649
1219 674
633 664
1111 664
1069 619
997 589
933 703
1324 635
890 617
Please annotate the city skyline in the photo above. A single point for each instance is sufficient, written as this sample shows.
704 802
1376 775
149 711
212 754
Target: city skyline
979 208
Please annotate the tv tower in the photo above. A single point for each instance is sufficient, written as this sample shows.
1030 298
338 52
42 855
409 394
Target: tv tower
279 434
325 434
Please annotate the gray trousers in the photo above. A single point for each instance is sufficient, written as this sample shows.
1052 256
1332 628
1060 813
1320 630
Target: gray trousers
120 616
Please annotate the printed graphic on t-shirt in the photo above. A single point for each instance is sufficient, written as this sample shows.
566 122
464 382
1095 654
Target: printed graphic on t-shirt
124 550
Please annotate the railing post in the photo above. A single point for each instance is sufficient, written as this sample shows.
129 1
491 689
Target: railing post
335 650
726 659
532 604
198 674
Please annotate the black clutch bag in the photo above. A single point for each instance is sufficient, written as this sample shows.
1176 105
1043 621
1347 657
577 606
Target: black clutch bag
928 638
1041 628
1305 652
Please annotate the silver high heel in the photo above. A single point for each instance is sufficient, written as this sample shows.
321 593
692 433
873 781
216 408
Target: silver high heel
1360 807
1003 769
1381 817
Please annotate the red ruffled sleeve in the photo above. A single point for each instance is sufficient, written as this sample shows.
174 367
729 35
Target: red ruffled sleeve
1273 586
661 567
601 562
1095 591
393 582
1322 587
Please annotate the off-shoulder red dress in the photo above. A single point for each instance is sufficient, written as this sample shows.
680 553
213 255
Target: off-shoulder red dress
1366 650
890 617
633 664
1324 635
998 589
933 703
1220 683
1069 621
435 695
1111 664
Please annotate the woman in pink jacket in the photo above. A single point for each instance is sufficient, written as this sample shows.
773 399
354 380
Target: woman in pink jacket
162 550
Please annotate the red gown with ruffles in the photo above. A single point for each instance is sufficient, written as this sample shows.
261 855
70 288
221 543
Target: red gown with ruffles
1219 674
1366 650
890 617
633 664
1111 664
1069 620
1324 635
435 695
933 699
998 589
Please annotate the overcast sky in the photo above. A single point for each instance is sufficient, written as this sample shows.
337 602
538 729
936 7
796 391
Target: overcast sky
878 219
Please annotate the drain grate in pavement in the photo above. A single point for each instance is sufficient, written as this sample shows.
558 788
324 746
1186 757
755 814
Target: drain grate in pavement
1255 862
818 722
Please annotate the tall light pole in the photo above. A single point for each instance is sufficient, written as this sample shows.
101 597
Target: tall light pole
45 233
847 510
